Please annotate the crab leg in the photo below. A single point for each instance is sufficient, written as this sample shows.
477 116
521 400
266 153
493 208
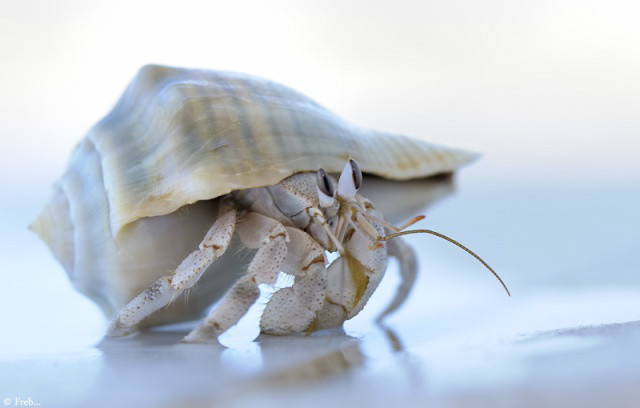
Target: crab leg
293 310
167 288
255 231
408 270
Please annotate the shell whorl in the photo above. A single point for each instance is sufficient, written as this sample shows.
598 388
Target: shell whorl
178 136
135 198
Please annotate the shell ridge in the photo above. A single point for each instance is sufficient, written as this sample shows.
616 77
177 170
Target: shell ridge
73 185
121 215
178 136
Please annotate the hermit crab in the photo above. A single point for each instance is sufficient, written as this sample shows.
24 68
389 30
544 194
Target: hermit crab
150 217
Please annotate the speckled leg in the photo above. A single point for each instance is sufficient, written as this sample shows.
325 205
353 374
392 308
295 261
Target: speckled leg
293 310
167 288
408 270
255 231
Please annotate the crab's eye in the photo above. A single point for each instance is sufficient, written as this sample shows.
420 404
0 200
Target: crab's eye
350 179
326 192
356 173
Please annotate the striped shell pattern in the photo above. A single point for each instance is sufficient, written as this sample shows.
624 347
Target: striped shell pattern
139 191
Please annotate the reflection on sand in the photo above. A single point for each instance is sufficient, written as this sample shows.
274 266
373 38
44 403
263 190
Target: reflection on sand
297 359
154 365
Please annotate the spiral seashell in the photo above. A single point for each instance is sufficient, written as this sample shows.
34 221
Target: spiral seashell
140 188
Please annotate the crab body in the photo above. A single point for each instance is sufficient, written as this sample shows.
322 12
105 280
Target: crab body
344 288
184 149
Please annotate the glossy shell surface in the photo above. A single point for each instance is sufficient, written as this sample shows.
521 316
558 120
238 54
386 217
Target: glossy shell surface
139 190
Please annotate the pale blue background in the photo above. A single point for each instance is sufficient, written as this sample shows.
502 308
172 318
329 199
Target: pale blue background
548 91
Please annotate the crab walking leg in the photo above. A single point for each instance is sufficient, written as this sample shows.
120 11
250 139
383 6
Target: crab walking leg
167 288
255 231
408 270
294 309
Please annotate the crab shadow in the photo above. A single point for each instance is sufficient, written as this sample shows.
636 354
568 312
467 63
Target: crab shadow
212 372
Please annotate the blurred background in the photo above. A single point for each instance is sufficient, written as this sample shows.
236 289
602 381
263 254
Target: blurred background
547 91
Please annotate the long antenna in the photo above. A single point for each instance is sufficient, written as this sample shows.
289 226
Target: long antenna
453 241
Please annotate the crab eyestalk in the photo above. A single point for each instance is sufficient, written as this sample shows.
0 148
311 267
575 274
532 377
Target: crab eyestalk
350 180
326 191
